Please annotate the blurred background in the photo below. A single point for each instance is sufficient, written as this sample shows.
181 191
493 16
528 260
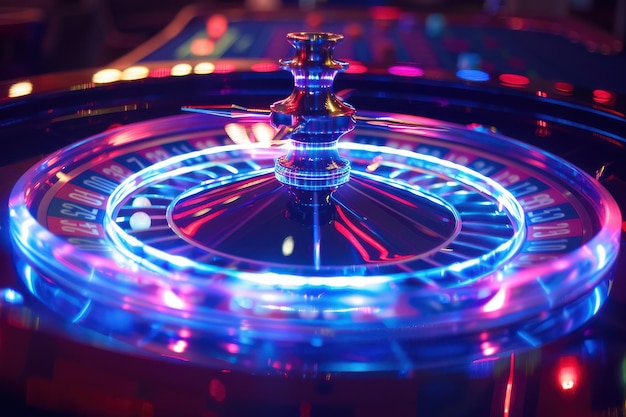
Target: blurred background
44 36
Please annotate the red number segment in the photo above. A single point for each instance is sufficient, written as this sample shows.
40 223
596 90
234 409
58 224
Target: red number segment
552 230
81 195
71 227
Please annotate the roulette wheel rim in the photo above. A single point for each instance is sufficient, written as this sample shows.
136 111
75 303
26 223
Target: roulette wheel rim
608 237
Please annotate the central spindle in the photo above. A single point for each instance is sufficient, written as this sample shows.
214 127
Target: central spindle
314 117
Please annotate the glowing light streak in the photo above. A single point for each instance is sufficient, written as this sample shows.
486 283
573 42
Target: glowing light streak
165 355
249 214
353 240
601 256
295 281
496 303
568 373
460 266
82 312
391 196
28 278
192 228
205 207
397 172
254 165
598 300
20 89
232 199
531 340
509 387
229 168
383 252
95 112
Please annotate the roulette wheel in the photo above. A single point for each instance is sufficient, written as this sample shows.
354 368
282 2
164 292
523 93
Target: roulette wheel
185 242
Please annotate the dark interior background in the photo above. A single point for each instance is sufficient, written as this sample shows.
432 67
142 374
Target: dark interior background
43 36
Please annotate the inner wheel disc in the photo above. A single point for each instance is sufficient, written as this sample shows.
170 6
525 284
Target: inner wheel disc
410 215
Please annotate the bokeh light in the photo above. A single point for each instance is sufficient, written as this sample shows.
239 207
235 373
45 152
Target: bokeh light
179 70
107 75
514 80
202 47
472 75
406 71
22 88
135 73
216 26
204 68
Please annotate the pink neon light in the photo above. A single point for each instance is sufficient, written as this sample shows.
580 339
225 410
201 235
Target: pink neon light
405 71
514 80
264 67
179 346
356 69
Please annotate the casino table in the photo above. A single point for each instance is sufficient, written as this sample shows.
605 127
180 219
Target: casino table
461 233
